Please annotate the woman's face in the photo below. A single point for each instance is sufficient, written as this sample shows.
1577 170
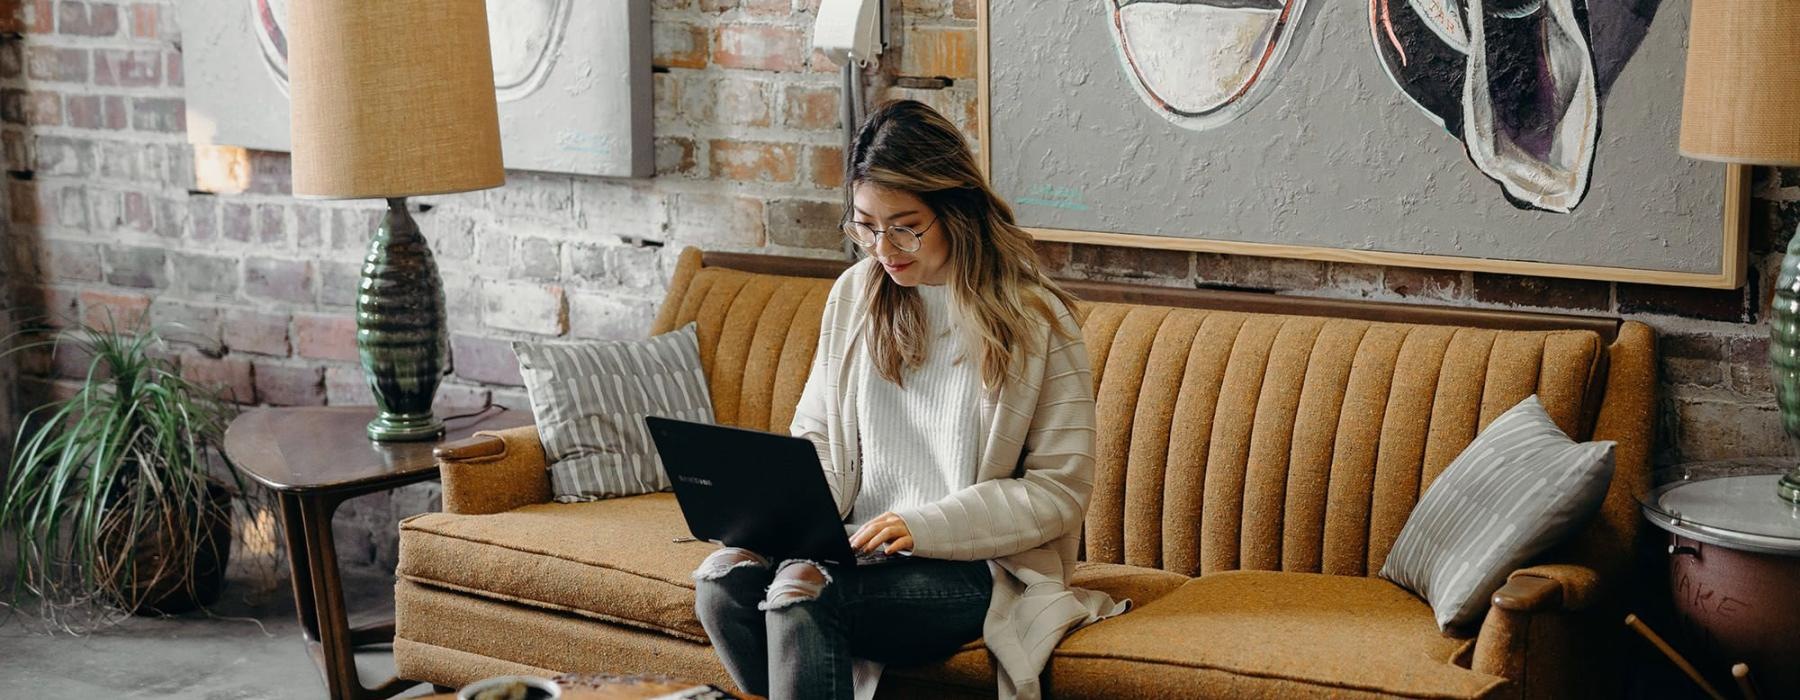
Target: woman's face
882 208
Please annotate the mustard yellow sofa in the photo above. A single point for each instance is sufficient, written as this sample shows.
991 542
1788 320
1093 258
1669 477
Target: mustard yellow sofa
1257 457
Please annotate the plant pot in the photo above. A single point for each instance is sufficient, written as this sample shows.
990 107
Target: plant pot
176 571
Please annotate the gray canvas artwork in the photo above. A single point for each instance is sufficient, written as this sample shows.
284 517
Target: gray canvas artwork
572 78
1530 130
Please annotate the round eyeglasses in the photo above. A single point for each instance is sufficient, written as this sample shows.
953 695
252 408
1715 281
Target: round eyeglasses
905 238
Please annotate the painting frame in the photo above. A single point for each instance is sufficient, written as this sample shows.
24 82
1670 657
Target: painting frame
1730 273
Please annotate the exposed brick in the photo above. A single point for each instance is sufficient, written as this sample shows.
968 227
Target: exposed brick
717 220
806 107
70 261
616 265
286 385
537 259
202 274
309 227
188 323
137 266
132 68
166 114
57 64
751 161
325 337
805 224
271 173
15 150
760 47
40 16
278 280
171 218
143 21
85 111
138 215
486 360
338 282
63 157
229 376
258 332
346 386
963 9
1749 367
37 108
12 60
101 309
203 218
26 206
1711 304
116 114
1542 292
528 308
71 207
718 6
1053 256
533 196
1425 282
271 224
737 101
1692 359
620 208
12 21
676 156
237 221
948 53
767 8
1165 266
87 18
610 317
679 45
172 69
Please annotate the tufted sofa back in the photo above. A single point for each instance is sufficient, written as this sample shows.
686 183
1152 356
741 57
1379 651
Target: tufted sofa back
1242 440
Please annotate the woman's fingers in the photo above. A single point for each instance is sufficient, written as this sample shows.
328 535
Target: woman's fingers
903 544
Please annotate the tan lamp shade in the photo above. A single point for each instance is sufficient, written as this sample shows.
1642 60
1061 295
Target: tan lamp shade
392 98
1742 100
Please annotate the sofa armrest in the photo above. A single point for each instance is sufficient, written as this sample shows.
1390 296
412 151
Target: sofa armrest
494 471
1549 587
1536 616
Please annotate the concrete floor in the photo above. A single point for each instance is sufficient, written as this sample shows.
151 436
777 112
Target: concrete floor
192 656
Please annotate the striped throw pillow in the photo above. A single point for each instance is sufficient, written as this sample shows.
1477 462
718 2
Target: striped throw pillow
1519 489
590 399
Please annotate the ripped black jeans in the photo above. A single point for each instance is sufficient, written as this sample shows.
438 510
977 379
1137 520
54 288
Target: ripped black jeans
789 630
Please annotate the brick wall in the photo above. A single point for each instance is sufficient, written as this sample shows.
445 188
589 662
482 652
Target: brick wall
103 216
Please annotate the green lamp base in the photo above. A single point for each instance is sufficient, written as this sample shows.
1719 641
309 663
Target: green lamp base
1790 486
394 427
400 332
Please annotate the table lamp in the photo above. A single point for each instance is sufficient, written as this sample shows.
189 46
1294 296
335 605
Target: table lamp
1742 105
394 99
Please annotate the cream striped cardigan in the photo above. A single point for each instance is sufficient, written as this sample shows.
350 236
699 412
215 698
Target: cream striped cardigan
1025 511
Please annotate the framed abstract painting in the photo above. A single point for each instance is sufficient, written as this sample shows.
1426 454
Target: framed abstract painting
1533 137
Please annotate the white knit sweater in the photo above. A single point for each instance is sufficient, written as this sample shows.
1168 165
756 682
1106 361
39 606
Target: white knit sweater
920 439
1024 512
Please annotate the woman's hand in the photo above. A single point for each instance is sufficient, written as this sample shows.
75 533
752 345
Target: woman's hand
887 529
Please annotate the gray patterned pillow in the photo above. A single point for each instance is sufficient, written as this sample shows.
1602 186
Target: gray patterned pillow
590 400
1520 488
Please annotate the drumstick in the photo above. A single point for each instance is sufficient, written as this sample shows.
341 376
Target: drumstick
1632 621
1741 672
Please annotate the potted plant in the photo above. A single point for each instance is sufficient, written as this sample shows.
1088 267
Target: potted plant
109 496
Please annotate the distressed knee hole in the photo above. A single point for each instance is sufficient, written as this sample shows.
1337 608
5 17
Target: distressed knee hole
796 581
725 561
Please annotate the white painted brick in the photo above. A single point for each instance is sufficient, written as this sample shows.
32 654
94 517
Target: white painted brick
524 307
609 316
717 221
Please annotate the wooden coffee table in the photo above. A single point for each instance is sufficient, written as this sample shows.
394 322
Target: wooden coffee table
314 459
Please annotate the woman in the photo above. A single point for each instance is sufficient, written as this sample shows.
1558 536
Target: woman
952 406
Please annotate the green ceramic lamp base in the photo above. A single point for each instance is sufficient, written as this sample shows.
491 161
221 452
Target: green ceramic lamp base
1790 487
393 427
400 330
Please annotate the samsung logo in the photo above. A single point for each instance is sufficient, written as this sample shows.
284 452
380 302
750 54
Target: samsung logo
695 480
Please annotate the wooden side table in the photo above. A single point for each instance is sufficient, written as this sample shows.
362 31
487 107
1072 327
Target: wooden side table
314 459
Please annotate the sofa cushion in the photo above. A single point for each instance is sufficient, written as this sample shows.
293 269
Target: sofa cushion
1269 634
617 560
614 560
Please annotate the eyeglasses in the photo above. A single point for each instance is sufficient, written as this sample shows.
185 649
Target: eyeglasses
904 238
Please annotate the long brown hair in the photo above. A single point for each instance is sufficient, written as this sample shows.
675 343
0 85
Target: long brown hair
907 146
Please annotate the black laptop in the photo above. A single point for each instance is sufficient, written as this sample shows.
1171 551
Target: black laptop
760 491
